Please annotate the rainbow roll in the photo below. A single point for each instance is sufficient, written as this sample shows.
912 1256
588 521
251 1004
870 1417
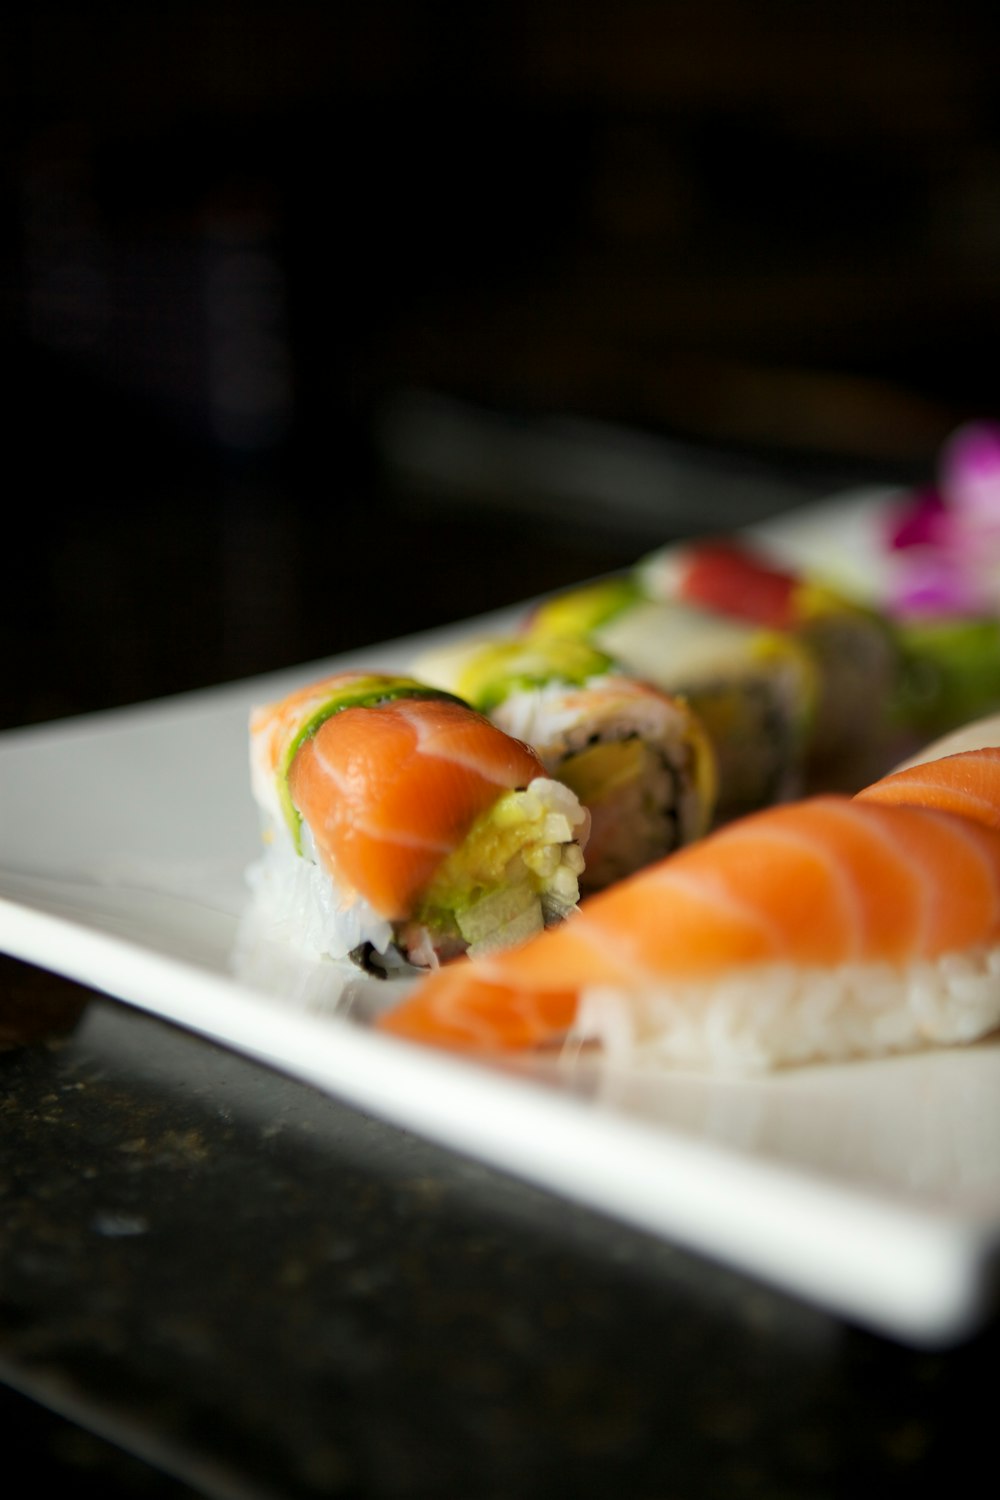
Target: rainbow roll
402 827
637 757
852 646
753 691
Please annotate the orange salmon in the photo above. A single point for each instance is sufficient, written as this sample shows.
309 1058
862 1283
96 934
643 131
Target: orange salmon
967 782
389 792
817 884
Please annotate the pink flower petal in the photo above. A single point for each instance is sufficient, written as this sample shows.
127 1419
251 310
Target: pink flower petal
921 520
970 471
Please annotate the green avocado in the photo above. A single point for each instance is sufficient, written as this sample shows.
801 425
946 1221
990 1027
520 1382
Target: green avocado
579 612
950 673
496 877
501 668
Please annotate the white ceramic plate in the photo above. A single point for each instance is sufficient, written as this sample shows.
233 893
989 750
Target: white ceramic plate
871 1189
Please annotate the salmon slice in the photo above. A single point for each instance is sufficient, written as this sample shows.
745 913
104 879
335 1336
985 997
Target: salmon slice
388 792
967 782
818 883
276 729
458 1008
274 726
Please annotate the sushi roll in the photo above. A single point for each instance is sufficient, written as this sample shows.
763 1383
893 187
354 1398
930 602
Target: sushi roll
753 690
949 673
637 757
827 929
401 827
858 662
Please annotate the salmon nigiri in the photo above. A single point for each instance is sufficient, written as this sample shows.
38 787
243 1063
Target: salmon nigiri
400 823
826 928
967 782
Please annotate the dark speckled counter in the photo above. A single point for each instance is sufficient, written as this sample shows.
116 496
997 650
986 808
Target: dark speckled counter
232 1285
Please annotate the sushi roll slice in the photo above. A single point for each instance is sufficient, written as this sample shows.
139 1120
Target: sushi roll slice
401 827
950 671
853 646
637 757
827 929
753 690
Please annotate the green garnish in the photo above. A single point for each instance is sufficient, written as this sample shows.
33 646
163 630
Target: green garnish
500 668
579 612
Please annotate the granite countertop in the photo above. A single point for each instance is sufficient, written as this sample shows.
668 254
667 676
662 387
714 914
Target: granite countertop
222 1282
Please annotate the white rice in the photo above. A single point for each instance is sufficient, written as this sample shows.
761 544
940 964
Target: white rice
551 718
295 900
769 1016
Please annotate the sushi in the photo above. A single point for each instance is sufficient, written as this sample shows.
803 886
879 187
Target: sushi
830 928
752 689
950 671
857 659
966 782
637 757
401 827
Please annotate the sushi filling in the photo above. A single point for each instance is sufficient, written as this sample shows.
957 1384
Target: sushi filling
634 794
758 736
645 775
517 871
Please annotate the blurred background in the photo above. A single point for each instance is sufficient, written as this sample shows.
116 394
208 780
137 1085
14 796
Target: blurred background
322 324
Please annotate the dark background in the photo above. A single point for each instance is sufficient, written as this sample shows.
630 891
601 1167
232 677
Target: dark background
244 245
